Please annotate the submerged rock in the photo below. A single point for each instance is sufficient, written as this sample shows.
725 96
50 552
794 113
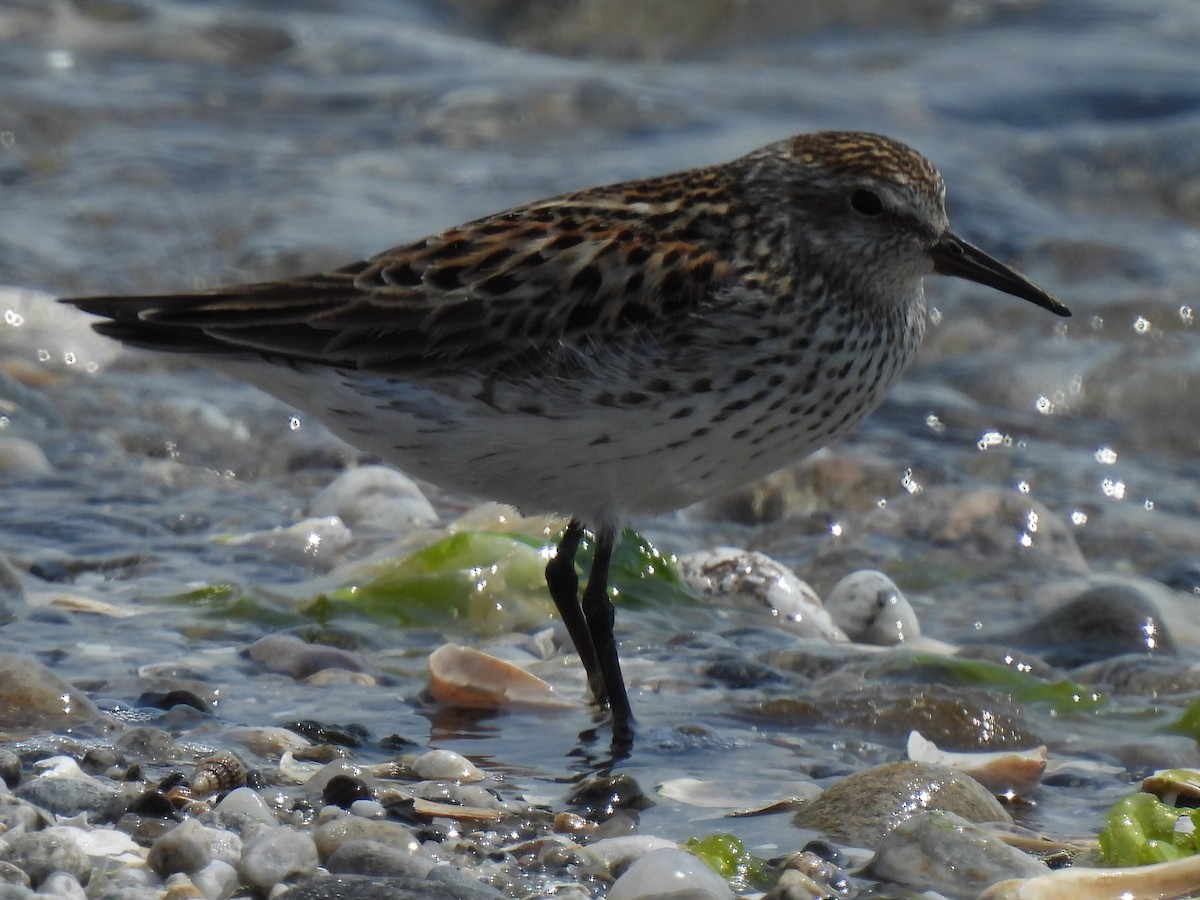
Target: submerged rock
864 807
943 852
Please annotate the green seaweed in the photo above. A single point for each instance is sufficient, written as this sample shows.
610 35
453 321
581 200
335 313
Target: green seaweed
1062 696
1189 722
1140 830
728 857
495 580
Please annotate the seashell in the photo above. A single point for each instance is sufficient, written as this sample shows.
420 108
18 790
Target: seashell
1172 785
1173 880
764 583
1006 772
738 796
477 814
218 774
465 677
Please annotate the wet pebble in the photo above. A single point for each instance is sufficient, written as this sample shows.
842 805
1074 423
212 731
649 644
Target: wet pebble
217 880
21 459
760 583
669 872
10 768
12 594
1140 675
126 883
941 851
344 791
869 607
247 802
374 858
602 795
34 698
983 525
62 886
375 498
315 542
330 836
865 806
185 848
67 795
337 769
611 856
11 874
276 856
40 853
363 887
299 659
808 875
447 765
1102 622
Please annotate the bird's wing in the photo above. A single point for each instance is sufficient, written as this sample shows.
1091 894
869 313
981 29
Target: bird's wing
505 286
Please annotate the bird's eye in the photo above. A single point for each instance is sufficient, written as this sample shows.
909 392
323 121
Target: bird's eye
866 203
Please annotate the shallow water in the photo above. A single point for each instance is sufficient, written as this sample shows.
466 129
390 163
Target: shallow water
175 145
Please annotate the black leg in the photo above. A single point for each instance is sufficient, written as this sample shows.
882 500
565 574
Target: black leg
564 591
599 613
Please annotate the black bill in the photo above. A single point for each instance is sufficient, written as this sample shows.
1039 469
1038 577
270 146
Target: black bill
954 256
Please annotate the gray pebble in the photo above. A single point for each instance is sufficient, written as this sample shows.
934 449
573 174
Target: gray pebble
67 796
127 883
185 848
330 836
145 830
32 698
1103 622
15 892
865 806
292 656
276 856
62 886
11 874
669 872
218 879
12 594
10 768
374 498
150 744
21 459
373 858
943 852
359 887
39 853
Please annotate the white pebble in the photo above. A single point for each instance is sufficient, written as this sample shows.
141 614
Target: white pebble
277 855
872 610
62 886
368 809
446 765
248 802
610 855
217 881
670 873
374 498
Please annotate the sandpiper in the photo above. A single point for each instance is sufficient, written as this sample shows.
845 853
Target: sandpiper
633 348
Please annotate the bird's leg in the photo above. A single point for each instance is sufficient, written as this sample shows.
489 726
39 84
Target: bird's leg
599 614
564 591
